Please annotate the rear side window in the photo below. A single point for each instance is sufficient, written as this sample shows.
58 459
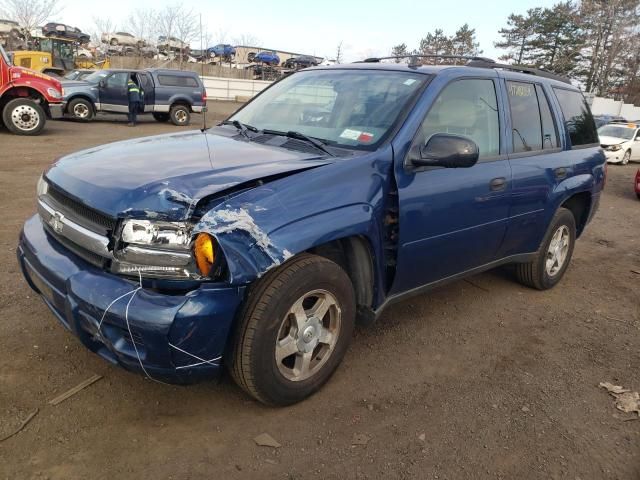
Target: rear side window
526 124
177 81
549 131
577 118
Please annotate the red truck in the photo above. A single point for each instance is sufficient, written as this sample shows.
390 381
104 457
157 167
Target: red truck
27 98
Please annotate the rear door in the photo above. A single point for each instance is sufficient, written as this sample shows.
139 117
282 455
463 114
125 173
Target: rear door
113 93
538 160
454 219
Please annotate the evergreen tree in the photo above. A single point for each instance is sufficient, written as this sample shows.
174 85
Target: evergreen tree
464 42
608 29
517 36
436 43
399 51
558 39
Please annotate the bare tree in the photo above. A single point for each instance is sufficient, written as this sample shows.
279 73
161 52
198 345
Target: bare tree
101 25
178 22
29 14
339 52
246 40
140 23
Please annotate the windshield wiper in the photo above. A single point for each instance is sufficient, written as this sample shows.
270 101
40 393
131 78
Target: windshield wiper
242 127
301 136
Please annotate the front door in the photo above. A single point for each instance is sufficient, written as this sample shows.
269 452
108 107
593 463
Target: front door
454 219
148 92
113 93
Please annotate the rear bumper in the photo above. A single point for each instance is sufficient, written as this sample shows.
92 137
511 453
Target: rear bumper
174 338
56 110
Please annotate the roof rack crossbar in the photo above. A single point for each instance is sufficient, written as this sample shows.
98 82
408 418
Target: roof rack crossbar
520 68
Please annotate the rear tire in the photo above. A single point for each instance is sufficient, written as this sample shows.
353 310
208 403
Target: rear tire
554 255
80 109
23 116
161 117
180 115
293 331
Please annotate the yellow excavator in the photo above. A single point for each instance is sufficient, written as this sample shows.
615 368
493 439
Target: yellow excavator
56 55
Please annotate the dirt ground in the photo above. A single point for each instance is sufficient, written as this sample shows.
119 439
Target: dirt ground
483 378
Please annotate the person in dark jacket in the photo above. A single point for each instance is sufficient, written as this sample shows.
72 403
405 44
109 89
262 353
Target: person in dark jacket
135 100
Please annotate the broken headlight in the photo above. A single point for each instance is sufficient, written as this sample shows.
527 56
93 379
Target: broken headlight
157 249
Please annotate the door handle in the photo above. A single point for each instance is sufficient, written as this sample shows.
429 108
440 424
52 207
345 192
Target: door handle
499 183
560 172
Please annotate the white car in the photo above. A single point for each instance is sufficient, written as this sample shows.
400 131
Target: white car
171 43
621 142
121 38
10 28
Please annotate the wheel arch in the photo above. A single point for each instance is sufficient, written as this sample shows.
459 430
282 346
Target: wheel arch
249 252
180 101
354 254
579 204
83 97
24 92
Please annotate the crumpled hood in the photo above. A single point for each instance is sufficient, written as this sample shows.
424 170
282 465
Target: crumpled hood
605 140
165 176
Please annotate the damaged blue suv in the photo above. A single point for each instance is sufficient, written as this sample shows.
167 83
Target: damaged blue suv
257 244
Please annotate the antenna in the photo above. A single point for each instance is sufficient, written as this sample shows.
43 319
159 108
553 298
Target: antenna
204 113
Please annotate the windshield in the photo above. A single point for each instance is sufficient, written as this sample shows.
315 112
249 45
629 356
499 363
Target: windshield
4 56
352 108
95 77
618 131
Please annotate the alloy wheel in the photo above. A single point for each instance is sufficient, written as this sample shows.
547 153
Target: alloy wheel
308 334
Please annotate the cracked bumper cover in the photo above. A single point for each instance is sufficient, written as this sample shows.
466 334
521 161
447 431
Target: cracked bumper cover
163 327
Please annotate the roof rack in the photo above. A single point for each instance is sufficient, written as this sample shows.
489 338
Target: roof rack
415 57
519 68
478 62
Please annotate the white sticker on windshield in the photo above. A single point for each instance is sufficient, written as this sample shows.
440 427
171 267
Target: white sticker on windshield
409 81
350 134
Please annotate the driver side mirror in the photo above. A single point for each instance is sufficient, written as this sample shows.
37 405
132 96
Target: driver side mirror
449 151
102 83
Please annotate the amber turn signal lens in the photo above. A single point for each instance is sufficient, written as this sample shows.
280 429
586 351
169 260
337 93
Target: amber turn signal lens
204 252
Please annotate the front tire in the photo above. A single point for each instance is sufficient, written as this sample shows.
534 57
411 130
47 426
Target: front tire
294 330
626 157
180 115
554 255
23 116
80 109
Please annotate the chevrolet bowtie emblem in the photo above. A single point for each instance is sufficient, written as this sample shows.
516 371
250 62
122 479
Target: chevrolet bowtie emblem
57 222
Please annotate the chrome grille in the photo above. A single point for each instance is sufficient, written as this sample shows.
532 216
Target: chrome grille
84 242
80 213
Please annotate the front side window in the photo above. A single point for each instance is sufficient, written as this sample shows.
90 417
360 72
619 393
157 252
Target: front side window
117 80
577 117
468 108
352 108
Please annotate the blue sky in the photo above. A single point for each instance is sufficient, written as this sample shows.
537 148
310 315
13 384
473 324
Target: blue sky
366 28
